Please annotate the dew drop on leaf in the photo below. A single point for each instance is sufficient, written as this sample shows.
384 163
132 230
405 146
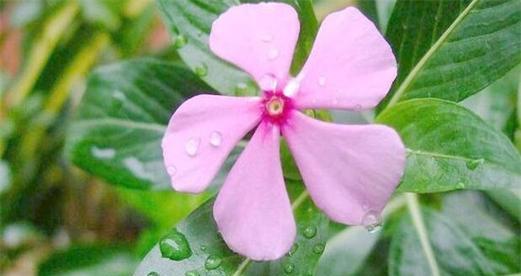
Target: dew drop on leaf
192 146
474 164
241 89
372 222
310 232
153 273
216 138
289 268
192 273
212 262
175 246
318 248
203 248
180 41
201 70
293 250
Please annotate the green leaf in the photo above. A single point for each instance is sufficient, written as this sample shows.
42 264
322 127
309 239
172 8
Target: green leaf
210 255
453 49
119 124
190 21
89 260
459 242
451 148
346 252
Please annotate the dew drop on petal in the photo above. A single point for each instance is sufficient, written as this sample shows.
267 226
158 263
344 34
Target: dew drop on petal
216 139
268 82
322 81
273 54
310 232
174 246
289 268
192 146
372 222
212 262
171 170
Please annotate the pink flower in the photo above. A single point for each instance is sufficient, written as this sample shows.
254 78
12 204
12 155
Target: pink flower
350 171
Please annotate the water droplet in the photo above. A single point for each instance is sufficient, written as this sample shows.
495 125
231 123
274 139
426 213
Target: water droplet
171 170
180 41
192 273
153 273
289 268
461 185
203 248
293 250
268 82
266 38
216 138
273 54
212 262
318 248
201 70
474 164
310 232
175 246
241 89
322 81
372 222
101 153
192 146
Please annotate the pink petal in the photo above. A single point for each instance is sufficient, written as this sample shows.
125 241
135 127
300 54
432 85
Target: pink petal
351 65
259 38
201 134
252 210
350 171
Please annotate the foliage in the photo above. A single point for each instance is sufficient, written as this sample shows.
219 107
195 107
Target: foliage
454 103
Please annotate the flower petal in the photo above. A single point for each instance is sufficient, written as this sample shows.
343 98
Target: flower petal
351 65
252 210
201 134
259 38
350 171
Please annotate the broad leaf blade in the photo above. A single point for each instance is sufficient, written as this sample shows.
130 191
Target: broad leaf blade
122 117
190 21
451 148
459 247
453 49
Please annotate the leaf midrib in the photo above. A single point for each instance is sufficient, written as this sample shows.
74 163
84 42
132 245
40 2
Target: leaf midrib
419 66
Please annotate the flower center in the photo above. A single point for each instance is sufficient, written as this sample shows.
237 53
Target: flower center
276 107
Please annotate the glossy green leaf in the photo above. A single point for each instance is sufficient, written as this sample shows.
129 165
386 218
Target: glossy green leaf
451 148
119 124
460 243
190 21
346 252
89 260
210 255
453 49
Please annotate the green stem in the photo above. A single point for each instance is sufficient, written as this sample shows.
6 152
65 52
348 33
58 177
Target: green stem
417 219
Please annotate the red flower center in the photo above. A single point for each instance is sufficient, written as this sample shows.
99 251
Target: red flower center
276 107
